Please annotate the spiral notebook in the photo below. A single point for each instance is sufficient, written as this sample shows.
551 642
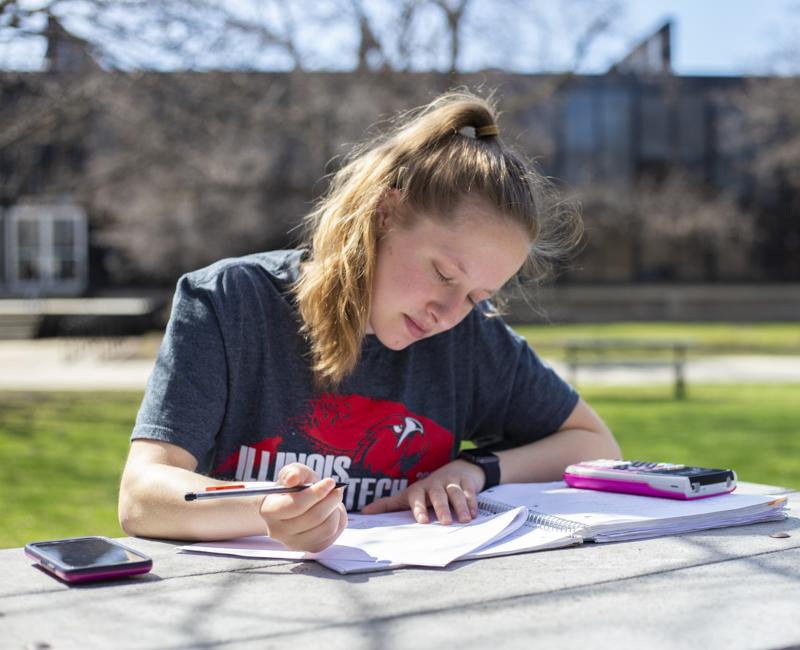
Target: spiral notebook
534 532
514 518
611 517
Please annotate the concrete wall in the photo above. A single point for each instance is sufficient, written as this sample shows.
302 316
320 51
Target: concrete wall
597 303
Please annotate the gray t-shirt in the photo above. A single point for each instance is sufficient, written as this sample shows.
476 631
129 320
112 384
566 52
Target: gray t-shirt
232 386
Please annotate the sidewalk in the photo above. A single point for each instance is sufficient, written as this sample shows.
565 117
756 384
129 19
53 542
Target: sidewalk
73 364
735 369
121 364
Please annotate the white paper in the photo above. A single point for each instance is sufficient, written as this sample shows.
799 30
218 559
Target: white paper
609 516
525 539
256 546
528 537
383 541
378 542
398 538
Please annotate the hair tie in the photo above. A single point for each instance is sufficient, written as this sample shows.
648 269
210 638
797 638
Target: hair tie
485 131
479 132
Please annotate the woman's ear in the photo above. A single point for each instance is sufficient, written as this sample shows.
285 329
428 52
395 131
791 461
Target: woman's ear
387 209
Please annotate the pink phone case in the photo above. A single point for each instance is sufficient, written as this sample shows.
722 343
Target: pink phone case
91 575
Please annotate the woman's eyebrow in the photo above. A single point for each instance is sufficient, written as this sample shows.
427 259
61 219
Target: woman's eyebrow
457 262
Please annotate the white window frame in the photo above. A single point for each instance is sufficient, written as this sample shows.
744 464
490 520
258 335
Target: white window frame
46 216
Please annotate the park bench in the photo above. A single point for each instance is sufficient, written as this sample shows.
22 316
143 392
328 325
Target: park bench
604 353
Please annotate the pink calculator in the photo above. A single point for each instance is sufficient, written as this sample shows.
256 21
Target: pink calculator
650 479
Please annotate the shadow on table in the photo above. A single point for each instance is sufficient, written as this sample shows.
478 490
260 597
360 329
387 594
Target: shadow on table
375 629
782 532
785 535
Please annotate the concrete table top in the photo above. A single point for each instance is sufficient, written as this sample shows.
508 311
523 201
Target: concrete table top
727 588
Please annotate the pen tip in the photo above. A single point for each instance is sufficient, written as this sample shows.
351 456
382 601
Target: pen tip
190 497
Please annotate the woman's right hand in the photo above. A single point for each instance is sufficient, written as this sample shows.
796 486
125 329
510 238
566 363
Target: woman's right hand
309 520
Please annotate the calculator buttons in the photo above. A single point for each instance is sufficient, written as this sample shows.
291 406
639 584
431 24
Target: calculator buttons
634 465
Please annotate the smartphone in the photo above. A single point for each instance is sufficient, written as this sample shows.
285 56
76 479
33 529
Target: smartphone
84 559
668 480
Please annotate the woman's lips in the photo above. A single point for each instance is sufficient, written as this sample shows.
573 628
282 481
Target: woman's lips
416 331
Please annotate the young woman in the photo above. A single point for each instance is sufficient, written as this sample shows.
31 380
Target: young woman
364 358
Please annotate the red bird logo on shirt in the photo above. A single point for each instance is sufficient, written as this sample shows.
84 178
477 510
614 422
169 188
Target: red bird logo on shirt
392 447
377 438
383 438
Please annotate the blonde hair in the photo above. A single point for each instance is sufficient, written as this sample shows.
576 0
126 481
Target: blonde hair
435 156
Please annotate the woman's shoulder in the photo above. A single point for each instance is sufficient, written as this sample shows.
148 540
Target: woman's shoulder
486 320
485 332
277 268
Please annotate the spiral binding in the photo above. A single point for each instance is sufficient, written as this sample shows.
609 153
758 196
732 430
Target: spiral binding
534 519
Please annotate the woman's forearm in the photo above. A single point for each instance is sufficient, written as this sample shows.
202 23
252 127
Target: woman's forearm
152 504
545 459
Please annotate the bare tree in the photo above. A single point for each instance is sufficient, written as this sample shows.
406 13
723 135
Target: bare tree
171 34
222 158
661 228
336 34
766 137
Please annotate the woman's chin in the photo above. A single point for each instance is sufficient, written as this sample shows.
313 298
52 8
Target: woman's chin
393 342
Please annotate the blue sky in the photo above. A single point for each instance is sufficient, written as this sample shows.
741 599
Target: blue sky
710 37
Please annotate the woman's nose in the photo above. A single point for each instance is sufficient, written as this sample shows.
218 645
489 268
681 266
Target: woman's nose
448 310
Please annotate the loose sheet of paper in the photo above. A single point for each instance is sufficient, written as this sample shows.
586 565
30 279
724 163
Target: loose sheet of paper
385 540
526 538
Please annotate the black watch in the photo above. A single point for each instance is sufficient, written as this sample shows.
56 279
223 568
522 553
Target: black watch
487 461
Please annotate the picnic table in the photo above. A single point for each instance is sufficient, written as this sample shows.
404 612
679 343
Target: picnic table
729 588
609 352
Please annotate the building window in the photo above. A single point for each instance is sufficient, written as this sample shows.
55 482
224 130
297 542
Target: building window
46 250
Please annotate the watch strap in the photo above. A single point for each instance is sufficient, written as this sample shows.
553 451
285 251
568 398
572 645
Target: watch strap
487 461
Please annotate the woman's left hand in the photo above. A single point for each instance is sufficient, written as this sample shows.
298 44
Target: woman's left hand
453 486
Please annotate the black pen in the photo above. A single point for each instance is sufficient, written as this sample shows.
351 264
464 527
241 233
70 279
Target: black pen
241 490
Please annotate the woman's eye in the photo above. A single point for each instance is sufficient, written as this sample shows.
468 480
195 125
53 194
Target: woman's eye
442 277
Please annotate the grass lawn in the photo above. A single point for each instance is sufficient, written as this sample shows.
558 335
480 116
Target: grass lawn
754 429
62 453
